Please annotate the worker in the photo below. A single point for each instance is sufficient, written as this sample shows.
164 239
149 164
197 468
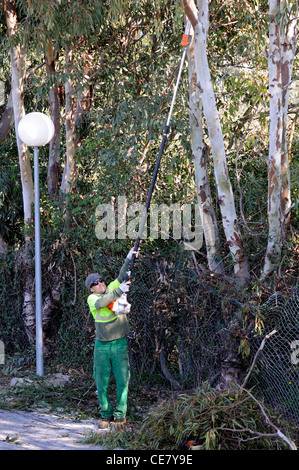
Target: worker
110 350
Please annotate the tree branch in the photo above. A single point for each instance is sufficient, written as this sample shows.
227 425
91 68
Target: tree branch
165 370
190 12
255 358
278 433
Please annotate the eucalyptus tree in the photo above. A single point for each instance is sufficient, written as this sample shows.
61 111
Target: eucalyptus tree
17 94
38 27
200 154
70 57
283 16
109 66
280 55
199 19
64 29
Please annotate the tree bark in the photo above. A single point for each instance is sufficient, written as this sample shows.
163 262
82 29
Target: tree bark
200 156
200 23
84 101
28 311
280 63
275 144
174 383
288 49
69 173
7 120
53 176
17 93
77 104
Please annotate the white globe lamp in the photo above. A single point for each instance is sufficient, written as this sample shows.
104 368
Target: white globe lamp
36 130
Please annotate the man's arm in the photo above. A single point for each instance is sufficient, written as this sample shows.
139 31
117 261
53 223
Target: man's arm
106 299
122 273
115 290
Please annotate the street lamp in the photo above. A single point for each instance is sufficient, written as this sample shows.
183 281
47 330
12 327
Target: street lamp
36 130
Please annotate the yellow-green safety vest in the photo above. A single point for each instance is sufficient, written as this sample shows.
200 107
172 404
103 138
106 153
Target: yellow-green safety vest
103 314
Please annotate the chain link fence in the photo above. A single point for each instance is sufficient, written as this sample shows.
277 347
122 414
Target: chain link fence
276 373
188 332
191 333
184 331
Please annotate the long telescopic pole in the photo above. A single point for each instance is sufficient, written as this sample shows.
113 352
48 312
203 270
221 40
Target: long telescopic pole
156 169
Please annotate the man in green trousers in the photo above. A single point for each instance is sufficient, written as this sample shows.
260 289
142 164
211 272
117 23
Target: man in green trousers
111 350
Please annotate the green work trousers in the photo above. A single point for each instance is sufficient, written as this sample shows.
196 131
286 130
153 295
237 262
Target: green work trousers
112 355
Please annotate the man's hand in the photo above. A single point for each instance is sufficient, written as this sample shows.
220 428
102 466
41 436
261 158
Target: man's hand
132 252
125 286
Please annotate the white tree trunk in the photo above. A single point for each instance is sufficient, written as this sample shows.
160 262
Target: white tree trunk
280 63
69 173
200 156
17 93
200 23
54 147
288 49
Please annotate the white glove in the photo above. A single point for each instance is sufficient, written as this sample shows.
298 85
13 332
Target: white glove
131 253
121 305
125 286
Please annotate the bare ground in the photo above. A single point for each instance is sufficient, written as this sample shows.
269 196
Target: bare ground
20 430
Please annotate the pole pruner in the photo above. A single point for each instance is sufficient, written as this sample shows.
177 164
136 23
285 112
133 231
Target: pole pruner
123 306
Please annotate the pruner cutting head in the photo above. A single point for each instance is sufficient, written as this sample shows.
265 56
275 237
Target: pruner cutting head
186 39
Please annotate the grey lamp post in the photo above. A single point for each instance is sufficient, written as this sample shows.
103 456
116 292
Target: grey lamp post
36 130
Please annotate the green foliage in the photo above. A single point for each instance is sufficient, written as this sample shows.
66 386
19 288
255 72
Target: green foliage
11 214
52 20
135 52
229 420
11 299
134 49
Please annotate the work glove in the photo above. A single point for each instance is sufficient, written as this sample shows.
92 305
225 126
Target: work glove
121 305
132 252
125 286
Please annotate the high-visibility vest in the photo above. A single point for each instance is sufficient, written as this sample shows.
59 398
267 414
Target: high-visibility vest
104 314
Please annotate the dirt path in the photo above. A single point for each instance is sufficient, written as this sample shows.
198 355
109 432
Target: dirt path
20 430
